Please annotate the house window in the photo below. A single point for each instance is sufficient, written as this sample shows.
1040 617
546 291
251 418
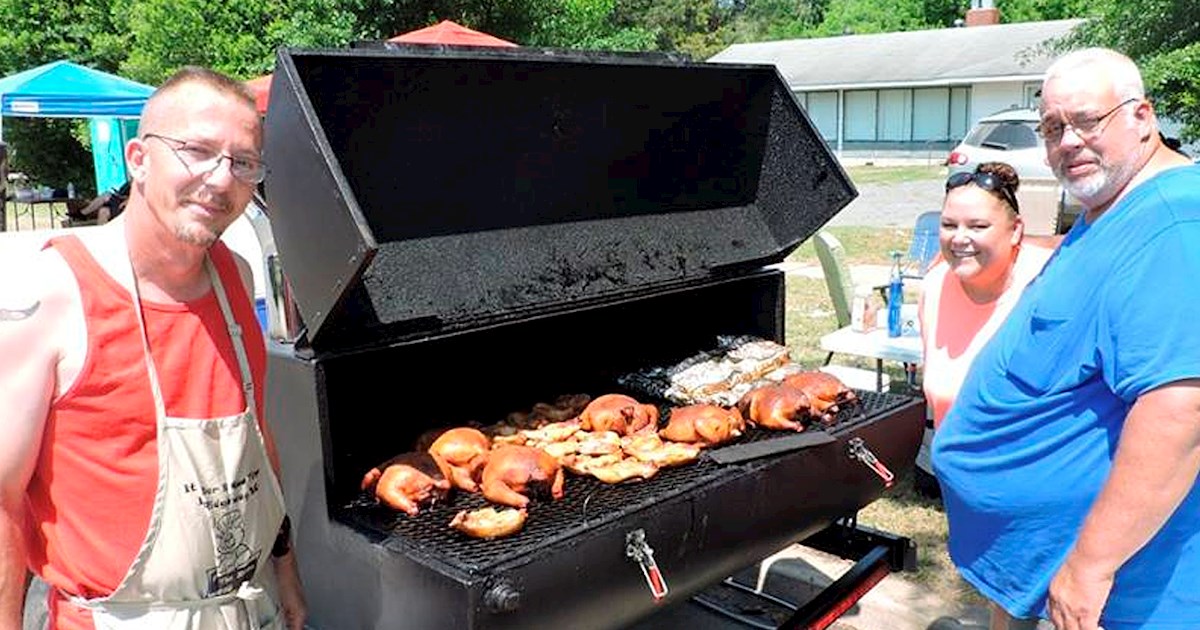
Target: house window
822 111
960 108
860 115
1033 95
895 115
931 114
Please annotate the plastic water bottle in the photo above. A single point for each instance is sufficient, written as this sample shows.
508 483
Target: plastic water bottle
70 190
895 297
858 308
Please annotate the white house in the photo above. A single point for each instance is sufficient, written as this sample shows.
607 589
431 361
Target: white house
913 93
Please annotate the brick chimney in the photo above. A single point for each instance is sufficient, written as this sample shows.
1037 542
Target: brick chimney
982 13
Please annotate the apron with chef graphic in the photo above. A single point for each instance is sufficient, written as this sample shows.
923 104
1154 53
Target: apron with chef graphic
217 511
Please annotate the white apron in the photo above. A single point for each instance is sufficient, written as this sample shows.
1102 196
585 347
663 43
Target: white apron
217 511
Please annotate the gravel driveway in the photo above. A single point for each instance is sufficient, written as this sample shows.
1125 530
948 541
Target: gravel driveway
891 205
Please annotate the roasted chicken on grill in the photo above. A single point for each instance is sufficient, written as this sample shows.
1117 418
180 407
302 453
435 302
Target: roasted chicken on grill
776 407
489 522
826 393
408 481
619 413
514 473
705 425
465 451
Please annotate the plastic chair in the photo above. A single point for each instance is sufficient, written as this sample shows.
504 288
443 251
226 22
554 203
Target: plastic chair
924 248
841 292
837 275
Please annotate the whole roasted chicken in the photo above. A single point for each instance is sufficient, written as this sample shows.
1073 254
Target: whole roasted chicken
776 407
514 473
465 451
706 425
408 481
619 413
826 393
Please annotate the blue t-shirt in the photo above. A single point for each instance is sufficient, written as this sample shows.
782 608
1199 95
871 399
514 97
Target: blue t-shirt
1030 439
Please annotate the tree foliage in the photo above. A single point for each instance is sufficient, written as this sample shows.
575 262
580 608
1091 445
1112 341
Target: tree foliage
1163 37
147 40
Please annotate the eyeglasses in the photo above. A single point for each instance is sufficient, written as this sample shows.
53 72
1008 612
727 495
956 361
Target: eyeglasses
986 181
1086 128
201 160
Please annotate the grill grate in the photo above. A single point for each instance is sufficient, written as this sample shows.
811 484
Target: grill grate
587 503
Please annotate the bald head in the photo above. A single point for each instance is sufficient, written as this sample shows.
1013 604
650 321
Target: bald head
186 84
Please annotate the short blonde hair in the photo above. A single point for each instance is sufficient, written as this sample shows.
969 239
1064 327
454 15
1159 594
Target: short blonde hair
188 76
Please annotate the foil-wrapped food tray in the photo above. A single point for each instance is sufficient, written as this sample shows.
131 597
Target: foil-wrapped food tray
720 376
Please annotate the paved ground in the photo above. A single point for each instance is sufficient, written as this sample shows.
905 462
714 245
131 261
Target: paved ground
891 205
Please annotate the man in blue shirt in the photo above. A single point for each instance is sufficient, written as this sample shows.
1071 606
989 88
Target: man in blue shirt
1069 460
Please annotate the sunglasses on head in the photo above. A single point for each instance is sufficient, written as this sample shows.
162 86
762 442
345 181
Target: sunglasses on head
986 181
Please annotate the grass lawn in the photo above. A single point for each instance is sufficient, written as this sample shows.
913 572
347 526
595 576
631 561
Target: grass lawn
23 217
902 511
893 174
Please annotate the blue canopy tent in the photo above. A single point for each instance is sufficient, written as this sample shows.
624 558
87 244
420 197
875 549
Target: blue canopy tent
63 89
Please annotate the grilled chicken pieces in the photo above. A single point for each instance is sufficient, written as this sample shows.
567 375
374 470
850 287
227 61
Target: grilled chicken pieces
651 449
776 407
408 481
465 451
622 470
705 425
619 413
513 472
489 522
826 393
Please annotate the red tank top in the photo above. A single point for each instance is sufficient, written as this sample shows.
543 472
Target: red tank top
93 489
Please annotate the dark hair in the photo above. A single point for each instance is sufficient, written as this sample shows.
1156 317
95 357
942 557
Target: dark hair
1003 170
997 178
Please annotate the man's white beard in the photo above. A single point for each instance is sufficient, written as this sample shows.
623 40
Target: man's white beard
1103 185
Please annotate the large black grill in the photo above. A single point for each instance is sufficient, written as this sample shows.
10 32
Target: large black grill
466 232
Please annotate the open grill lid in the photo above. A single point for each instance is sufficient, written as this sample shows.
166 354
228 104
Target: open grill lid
417 190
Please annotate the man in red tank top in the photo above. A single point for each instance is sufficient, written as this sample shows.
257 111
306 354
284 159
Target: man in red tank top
135 468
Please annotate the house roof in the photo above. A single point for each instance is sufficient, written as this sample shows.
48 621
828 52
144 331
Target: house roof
947 56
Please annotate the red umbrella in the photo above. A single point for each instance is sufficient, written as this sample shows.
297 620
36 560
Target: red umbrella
444 32
447 32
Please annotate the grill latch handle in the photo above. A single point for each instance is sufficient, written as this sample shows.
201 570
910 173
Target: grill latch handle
639 550
857 449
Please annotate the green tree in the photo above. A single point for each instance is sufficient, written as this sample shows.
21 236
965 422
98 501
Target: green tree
1037 10
871 16
54 152
514 20
232 36
590 25
1163 37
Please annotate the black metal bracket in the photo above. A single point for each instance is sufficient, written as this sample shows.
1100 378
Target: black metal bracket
848 539
876 554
